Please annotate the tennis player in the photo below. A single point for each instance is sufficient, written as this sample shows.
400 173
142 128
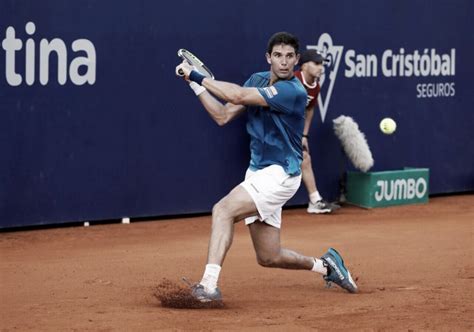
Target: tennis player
275 103
311 69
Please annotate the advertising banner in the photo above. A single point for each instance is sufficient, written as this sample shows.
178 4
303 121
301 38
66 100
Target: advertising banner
94 123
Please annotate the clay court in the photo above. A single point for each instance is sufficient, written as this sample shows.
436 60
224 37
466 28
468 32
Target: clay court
414 265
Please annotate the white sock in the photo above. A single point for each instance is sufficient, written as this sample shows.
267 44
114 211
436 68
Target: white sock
315 197
319 267
210 277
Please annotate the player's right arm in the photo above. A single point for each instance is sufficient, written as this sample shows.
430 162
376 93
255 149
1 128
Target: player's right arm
234 93
220 113
230 92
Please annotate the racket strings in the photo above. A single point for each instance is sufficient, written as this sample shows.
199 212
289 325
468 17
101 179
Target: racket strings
196 63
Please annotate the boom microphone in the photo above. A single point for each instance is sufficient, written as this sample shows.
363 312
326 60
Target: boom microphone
353 142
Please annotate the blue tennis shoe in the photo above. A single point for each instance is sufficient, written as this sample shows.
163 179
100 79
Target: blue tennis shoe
337 272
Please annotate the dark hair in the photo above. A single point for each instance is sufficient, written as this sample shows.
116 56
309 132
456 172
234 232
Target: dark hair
283 38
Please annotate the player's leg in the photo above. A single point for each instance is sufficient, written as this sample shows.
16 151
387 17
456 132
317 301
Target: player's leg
273 192
261 194
234 207
270 189
266 241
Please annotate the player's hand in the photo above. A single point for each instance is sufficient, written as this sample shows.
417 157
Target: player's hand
184 69
305 144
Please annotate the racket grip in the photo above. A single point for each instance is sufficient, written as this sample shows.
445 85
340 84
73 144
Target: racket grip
180 72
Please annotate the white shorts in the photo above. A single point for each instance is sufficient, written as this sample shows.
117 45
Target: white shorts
270 188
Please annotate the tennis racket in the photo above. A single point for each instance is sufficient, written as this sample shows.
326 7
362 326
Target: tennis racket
195 62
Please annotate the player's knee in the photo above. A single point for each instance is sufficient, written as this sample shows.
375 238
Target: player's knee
218 209
268 260
221 210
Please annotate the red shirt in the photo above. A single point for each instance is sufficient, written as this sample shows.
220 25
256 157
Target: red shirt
312 90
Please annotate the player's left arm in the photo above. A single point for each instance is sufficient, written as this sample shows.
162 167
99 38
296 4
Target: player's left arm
280 96
234 93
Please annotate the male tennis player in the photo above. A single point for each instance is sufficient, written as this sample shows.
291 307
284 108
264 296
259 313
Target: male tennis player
275 103
311 69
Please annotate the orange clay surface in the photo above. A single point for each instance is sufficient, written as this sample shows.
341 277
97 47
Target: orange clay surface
414 266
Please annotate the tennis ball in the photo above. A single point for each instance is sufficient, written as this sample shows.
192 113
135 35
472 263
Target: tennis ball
388 126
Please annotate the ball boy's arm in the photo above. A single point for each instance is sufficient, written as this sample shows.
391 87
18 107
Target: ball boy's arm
308 119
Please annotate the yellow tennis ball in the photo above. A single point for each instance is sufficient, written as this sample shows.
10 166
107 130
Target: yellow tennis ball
388 126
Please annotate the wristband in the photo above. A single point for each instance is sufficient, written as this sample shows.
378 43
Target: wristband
305 136
196 77
198 89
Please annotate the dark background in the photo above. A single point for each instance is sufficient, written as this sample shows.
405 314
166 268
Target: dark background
137 143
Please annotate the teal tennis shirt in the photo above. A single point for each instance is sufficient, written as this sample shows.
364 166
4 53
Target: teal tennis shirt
276 131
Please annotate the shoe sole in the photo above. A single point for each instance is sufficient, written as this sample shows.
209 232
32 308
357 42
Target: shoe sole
319 211
206 299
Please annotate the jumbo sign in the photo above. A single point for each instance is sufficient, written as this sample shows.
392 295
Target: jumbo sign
375 189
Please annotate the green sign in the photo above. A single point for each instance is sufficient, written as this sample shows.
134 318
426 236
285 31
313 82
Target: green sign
376 189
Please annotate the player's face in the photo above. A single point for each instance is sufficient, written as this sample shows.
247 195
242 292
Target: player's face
314 69
283 60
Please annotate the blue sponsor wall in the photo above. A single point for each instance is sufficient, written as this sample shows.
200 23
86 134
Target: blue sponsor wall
103 129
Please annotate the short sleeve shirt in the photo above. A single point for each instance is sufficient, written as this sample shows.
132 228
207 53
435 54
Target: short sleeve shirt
275 131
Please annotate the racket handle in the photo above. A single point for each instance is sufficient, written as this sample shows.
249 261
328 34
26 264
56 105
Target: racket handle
180 72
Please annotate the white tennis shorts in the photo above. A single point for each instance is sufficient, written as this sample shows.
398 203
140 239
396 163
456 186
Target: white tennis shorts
270 188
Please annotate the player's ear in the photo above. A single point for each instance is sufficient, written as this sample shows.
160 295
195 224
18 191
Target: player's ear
268 56
297 59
